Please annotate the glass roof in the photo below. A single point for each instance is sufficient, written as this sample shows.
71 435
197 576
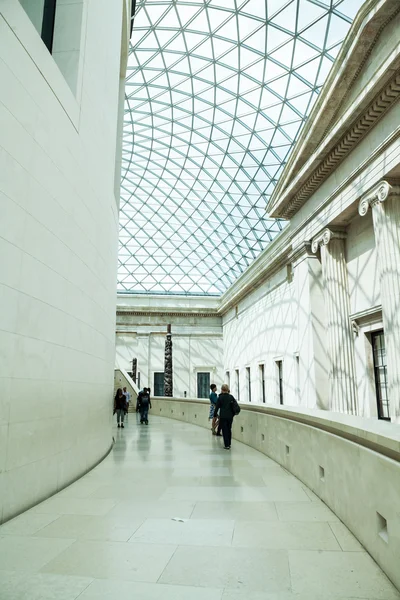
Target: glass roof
216 94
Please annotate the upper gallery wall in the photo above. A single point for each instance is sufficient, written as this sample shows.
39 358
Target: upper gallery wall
216 95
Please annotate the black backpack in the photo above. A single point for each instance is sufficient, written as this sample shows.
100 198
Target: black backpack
235 407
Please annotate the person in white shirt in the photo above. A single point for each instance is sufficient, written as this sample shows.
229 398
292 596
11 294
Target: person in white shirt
127 398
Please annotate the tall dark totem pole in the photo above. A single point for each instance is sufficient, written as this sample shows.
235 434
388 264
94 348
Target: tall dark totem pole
168 364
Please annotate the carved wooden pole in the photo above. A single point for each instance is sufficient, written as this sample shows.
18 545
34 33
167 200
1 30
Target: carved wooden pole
168 389
134 369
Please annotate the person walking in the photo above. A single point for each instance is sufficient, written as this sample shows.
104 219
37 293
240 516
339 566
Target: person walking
213 402
127 398
119 407
225 409
144 405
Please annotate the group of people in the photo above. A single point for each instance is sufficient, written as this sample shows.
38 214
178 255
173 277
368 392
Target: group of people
121 405
223 408
143 404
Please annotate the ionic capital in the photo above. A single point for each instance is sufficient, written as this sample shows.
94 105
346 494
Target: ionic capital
379 193
323 238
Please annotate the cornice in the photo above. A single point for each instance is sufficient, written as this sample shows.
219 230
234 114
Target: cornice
376 110
167 313
316 153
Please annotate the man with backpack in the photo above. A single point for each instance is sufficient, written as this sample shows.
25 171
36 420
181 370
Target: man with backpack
143 405
227 407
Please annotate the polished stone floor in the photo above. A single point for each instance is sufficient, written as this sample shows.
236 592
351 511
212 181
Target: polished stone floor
170 515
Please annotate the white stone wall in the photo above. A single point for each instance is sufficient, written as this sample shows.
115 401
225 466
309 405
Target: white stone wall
285 319
58 240
192 352
260 332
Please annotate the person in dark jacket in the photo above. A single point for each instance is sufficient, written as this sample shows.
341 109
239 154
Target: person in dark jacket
120 406
224 409
144 403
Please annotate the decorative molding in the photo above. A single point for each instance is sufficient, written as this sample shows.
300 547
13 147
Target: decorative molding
376 110
369 315
167 313
365 57
323 238
379 193
300 253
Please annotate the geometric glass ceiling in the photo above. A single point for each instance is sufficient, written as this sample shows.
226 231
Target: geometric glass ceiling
216 94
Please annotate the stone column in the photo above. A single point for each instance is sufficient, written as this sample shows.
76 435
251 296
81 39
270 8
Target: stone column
384 199
342 389
168 389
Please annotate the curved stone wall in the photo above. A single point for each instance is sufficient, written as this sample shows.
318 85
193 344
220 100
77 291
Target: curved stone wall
58 247
352 464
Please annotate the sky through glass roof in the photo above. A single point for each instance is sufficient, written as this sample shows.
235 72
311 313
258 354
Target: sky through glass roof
216 94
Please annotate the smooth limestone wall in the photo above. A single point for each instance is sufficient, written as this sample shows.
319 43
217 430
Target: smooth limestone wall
351 463
58 243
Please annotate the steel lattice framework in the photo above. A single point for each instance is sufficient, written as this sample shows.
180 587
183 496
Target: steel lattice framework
216 94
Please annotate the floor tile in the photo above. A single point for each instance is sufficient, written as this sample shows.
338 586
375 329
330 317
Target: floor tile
237 511
75 506
41 586
289 536
347 541
84 527
250 569
103 560
186 533
305 511
27 524
347 573
243 595
222 493
24 553
124 590
160 509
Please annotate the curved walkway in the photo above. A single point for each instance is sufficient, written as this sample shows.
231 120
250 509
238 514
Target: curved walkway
170 515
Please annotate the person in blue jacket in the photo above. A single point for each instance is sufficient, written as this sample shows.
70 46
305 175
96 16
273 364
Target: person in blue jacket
213 402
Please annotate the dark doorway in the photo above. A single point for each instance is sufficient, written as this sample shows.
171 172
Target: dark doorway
203 385
158 384
380 374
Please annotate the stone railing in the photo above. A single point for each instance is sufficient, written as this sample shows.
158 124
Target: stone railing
351 463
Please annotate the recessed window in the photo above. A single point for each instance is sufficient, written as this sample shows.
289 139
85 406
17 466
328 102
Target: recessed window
237 384
159 384
261 370
59 24
279 380
297 365
248 383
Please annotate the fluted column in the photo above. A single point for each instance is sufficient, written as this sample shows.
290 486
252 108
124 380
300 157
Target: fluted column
342 390
384 200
